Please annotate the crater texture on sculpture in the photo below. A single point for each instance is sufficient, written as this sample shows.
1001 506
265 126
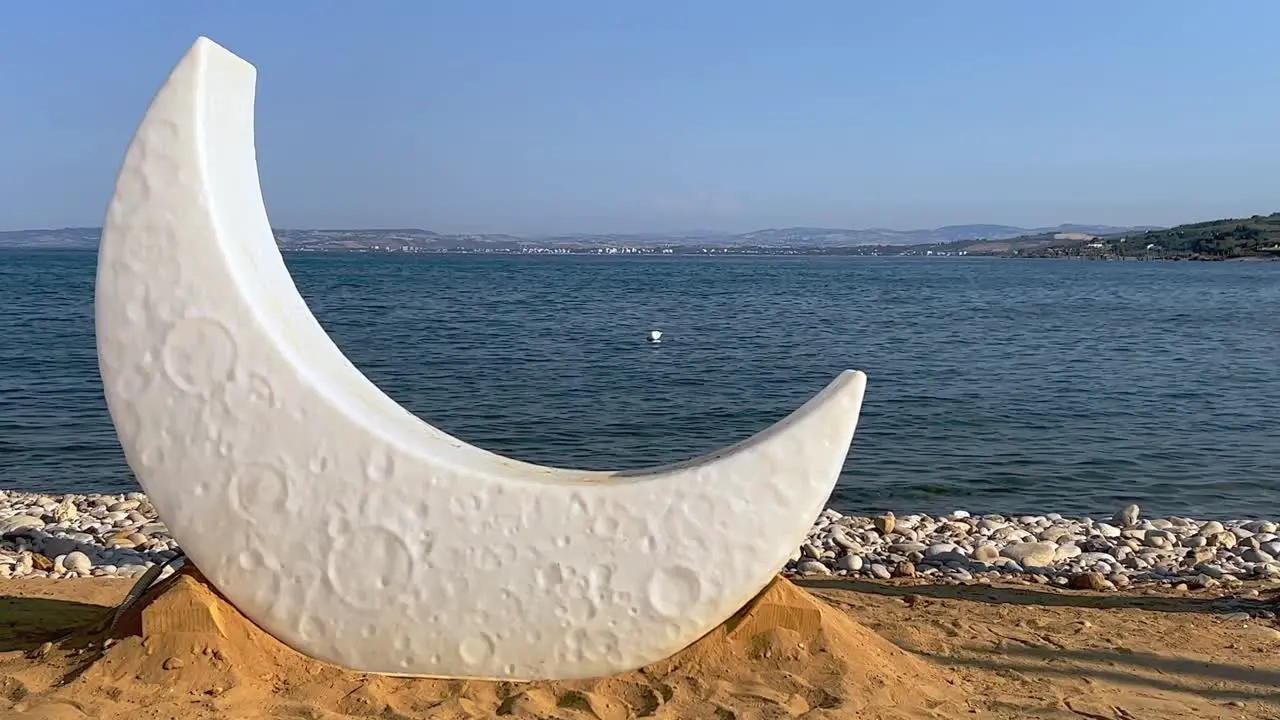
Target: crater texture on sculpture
350 529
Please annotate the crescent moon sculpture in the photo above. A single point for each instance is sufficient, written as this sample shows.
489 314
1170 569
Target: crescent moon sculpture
350 529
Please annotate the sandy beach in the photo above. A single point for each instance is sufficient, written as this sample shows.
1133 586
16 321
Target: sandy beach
875 617
832 648
587 361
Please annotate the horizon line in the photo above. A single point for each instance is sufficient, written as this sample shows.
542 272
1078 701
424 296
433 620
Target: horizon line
664 232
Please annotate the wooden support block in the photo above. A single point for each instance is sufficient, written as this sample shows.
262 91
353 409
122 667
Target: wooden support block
183 606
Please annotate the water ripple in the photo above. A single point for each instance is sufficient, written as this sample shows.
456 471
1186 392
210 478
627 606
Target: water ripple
1001 386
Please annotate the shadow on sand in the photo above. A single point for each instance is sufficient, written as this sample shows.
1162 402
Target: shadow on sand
26 623
1223 682
1000 595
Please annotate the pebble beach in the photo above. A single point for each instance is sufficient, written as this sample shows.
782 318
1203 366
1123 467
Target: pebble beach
1079 553
60 536
985 648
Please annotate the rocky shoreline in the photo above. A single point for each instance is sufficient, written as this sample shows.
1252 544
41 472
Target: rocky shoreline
62 536
58 536
1077 553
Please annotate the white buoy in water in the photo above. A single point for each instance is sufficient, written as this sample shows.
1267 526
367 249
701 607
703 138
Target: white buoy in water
655 336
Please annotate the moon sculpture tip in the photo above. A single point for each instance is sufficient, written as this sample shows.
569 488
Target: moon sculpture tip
205 44
849 385
209 56
855 377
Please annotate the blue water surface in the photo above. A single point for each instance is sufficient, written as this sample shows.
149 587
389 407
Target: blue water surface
995 385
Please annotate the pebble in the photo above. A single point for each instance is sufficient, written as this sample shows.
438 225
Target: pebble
851 563
812 567
986 552
1123 551
19 522
1107 531
1031 554
77 561
64 536
74 535
1128 516
1090 581
885 523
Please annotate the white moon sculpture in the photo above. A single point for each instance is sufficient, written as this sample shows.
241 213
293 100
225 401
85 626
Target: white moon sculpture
352 530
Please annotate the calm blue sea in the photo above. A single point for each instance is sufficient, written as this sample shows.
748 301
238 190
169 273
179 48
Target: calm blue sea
995 385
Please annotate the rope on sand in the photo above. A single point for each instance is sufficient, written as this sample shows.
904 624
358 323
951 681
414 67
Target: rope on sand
144 583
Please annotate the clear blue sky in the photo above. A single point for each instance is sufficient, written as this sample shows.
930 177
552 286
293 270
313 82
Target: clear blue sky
533 116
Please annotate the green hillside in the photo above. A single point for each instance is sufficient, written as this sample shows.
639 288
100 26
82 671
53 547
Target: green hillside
1258 236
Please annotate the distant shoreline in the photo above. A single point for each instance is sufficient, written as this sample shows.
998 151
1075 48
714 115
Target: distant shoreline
1212 241
857 251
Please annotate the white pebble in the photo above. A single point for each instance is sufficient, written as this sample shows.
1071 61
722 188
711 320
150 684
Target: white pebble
77 562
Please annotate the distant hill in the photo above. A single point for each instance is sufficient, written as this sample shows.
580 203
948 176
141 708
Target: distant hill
802 238
62 239
1257 236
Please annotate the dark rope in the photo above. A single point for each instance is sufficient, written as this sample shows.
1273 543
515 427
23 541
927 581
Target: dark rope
142 586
